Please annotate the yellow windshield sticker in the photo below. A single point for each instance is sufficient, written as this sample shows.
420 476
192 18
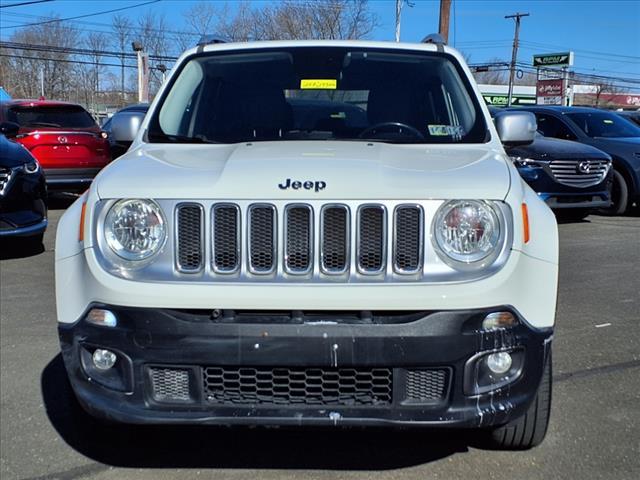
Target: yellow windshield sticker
609 122
318 84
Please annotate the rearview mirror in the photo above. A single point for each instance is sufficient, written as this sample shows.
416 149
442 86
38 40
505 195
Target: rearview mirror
516 128
9 129
125 126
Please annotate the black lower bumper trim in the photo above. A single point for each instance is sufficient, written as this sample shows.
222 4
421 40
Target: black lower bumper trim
182 367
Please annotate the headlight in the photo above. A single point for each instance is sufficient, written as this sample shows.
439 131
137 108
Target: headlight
467 233
135 229
526 162
31 167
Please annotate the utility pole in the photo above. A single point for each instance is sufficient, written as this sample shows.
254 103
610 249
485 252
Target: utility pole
143 72
398 12
514 53
443 27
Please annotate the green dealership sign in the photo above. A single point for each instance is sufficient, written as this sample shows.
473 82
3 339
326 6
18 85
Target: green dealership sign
502 100
563 59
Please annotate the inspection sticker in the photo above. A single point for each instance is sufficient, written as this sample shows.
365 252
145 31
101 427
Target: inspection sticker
318 84
445 130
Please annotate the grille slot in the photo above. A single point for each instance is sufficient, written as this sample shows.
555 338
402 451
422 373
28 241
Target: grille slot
408 239
334 244
262 238
298 386
5 178
226 238
567 172
425 386
170 384
371 238
189 218
298 252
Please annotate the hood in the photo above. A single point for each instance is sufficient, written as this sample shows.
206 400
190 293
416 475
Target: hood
544 148
13 154
622 141
319 170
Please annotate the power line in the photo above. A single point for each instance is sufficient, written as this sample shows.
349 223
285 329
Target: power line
80 51
24 3
82 16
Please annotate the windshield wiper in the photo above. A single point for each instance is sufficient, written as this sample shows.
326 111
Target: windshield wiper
160 137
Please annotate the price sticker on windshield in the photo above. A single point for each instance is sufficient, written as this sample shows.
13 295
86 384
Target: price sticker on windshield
318 84
445 130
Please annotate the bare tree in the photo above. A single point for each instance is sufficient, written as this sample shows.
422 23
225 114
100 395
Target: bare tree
97 42
286 20
122 30
30 71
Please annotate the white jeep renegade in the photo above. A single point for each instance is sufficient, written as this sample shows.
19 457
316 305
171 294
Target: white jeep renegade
314 233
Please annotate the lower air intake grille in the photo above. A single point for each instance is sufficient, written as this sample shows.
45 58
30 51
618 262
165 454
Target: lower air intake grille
298 386
169 384
425 386
190 253
262 243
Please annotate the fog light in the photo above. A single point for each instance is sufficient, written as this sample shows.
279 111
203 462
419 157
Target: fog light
497 320
104 359
101 317
498 363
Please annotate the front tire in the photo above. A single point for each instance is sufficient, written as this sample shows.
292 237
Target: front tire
529 430
619 196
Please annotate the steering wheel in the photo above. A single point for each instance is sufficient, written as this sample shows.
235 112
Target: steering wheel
401 127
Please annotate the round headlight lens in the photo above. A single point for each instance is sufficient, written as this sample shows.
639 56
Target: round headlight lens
135 229
467 231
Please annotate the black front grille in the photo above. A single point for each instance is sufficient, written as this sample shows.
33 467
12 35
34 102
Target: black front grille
298 239
425 386
190 251
298 386
408 239
371 238
5 176
226 238
169 384
335 239
262 245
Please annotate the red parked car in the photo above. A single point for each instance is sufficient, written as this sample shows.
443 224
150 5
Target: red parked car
64 137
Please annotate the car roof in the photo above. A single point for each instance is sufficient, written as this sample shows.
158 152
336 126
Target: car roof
563 109
136 107
24 102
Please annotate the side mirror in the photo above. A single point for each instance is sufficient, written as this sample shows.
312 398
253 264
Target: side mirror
125 126
9 129
516 128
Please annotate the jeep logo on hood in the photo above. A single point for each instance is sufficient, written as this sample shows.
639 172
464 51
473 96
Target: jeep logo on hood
298 184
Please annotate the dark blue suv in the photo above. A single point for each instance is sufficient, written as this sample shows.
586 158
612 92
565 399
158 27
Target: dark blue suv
572 178
606 131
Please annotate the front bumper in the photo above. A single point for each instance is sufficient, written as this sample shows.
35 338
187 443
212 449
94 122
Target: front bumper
401 351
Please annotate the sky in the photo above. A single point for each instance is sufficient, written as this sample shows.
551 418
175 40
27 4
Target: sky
604 34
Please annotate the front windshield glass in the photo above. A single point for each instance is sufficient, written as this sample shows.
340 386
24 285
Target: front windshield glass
319 93
604 124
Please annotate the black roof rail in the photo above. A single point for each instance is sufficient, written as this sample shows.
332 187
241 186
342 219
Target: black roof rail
210 39
435 38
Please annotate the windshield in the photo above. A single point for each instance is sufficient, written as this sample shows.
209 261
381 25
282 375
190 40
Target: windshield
604 124
57 117
319 93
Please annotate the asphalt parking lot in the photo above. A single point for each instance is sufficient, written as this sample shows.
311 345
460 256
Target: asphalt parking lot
595 421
